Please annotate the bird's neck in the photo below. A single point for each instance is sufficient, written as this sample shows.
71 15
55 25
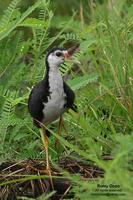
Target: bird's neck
52 71
53 78
52 68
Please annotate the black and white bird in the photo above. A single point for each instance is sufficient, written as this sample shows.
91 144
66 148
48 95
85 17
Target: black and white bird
51 97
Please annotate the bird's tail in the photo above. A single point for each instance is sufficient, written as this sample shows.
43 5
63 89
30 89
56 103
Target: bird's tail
74 108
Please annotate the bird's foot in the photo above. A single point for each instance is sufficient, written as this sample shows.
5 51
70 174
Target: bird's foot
46 171
49 172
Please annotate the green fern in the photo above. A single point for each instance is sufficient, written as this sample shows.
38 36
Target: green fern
8 13
9 49
65 68
82 81
41 34
13 24
6 119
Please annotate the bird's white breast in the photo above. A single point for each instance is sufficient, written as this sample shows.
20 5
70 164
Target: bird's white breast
56 101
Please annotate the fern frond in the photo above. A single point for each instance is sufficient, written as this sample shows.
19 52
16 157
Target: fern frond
7 94
6 119
9 49
82 81
8 13
8 106
65 68
6 30
7 109
41 33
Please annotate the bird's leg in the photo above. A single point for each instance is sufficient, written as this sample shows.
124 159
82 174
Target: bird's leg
45 141
59 132
61 124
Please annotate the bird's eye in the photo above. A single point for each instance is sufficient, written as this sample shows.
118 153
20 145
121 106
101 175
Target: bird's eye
58 54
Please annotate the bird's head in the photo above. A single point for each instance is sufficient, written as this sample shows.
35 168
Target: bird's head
57 56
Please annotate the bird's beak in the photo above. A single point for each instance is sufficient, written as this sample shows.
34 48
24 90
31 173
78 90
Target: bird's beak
68 54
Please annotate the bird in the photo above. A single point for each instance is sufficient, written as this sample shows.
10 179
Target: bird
50 98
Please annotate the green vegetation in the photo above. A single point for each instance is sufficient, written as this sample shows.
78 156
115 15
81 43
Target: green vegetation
103 84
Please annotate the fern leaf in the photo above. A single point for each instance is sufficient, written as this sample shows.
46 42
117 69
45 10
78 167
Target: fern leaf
6 30
34 23
82 81
65 68
8 13
41 33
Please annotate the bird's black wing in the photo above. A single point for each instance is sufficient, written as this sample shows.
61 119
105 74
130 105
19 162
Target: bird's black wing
70 97
37 97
